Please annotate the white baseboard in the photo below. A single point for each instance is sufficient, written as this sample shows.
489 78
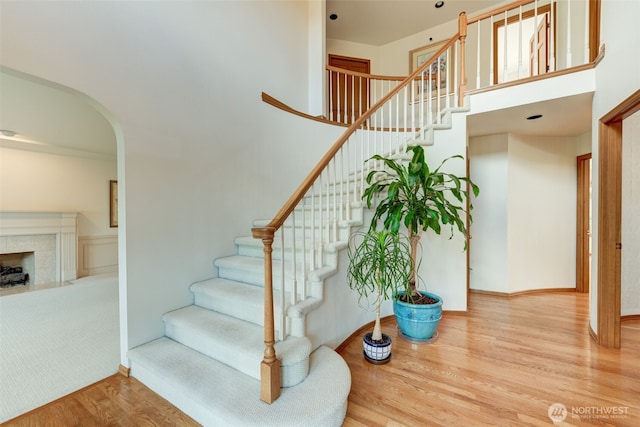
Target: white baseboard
97 255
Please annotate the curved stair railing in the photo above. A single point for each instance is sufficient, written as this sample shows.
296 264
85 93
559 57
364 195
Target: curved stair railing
307 229
324 201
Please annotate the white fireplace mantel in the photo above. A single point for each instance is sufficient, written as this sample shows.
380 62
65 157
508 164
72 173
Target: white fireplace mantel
34 223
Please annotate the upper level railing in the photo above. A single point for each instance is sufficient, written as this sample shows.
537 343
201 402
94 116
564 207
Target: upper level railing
524 39
396 113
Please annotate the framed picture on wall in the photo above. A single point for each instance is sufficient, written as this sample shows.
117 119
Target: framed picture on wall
113 203
419 56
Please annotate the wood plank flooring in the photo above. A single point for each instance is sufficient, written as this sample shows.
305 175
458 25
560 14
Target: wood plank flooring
502 364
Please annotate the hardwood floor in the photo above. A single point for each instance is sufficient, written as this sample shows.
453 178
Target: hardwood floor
502 364
114 401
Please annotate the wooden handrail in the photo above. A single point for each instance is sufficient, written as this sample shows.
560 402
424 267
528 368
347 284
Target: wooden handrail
364 75
284 107
302 189
498 10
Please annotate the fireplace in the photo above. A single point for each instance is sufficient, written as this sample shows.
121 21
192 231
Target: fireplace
42 244
17 269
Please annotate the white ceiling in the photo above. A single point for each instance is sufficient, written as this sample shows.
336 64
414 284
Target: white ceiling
378 22
567 116
49 118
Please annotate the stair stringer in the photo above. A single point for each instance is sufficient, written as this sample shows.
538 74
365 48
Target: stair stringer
426 135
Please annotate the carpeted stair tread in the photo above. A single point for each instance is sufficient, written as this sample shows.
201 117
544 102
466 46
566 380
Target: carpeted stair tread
240 300
235 342
248 269
216 395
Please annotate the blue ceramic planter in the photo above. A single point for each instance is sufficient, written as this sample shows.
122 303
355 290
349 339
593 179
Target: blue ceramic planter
418 321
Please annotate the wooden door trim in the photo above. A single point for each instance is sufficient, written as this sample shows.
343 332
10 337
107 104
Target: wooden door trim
510 20
609 218
582 223
350 58
594 29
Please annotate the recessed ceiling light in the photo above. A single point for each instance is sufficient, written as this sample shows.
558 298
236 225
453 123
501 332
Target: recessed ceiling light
439 4
7 132
534 117
333 16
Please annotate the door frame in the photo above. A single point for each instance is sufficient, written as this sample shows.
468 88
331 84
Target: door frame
583 223
609 220
515 18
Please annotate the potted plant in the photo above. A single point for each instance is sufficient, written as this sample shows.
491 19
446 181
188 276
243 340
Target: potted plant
379 262
419 198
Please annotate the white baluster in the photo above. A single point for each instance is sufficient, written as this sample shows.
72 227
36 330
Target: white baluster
283 333
438 89
403 146
303 252
536 60
569 49
491 53
552 39
330 101
505 51
447 70
327 198
456 88
312 254
520 64
413 108
478 58
421 98
321 219
587 51
294 260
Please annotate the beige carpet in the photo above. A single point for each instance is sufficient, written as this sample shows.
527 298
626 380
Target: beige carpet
56 341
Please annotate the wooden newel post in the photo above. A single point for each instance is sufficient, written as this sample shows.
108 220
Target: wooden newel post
270 365
462 29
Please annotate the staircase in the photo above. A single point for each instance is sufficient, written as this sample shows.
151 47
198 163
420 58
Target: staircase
216 361
208 362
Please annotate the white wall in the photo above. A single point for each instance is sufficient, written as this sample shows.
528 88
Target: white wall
630 287
356 50
33 181
617 78
488 256
443 269
199 155
525 218
541 212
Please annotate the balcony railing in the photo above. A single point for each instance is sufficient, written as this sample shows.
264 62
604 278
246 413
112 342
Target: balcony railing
521 40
